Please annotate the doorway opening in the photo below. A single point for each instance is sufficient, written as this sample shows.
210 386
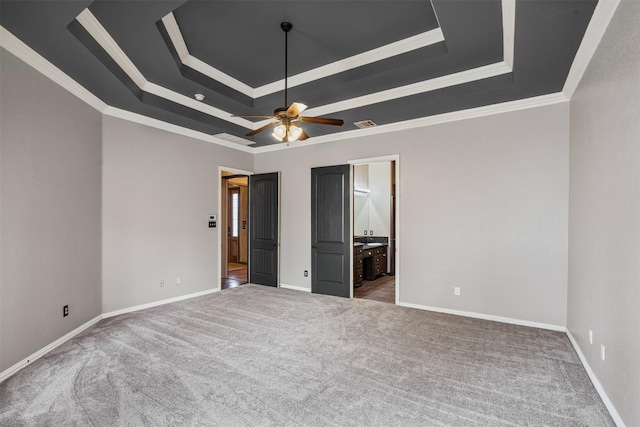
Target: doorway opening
234 224
375 229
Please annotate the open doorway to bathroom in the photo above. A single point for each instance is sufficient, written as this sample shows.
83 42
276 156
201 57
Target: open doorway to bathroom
375 228
234 223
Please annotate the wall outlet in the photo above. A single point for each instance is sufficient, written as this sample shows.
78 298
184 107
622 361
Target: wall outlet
65 311
590 337
178 280
456 291
306 273
602 352
162 283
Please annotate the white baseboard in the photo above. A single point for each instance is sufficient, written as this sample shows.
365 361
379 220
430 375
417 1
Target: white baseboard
295 288
157 303
603 395
486 317
44 350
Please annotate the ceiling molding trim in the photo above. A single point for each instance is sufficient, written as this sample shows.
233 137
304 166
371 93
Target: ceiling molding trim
179 130
418 41
598 25
19 49
454 116
508 31
384 52
111 47
480 73
104 39
173 30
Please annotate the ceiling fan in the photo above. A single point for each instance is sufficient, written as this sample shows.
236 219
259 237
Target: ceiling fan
287 119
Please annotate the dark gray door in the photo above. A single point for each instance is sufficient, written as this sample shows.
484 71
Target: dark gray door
330 231
263 229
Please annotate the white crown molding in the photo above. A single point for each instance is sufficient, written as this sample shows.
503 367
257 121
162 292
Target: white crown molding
19 49
508 31
454 116
418 41
594 379
449 80
482 316
111 47
175 35
393 49
159 124
602 15
102 37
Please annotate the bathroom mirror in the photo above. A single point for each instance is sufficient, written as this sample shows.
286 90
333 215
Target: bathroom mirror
372 199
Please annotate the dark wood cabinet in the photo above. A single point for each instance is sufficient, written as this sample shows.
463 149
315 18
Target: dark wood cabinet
375 262
357 265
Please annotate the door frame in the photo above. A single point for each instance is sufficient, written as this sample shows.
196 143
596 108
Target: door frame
220 216
395 158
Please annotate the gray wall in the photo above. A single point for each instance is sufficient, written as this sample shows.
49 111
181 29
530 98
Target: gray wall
483 206
50 200
158 191
604 233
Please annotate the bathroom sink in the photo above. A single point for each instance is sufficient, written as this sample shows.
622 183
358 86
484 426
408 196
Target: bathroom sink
373 245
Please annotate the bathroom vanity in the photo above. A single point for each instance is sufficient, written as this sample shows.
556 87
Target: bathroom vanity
369 261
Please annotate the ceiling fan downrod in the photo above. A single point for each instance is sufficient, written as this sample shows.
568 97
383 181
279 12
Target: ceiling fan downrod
286 27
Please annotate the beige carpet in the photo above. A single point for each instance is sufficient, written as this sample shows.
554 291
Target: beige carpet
261 356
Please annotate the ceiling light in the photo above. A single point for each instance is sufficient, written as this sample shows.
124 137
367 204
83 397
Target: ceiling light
286 133
199 97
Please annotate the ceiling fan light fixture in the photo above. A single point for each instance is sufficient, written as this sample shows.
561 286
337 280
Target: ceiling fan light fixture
292 132
279 132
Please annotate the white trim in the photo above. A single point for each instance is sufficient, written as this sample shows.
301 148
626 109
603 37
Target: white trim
173 30
157 303
508 31
18 48
483 316
102 37
169 127
448 80
111 47
603 395
598 25
46 349
454 116
387 51
295 288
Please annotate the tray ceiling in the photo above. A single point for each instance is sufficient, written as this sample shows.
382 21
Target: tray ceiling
385 61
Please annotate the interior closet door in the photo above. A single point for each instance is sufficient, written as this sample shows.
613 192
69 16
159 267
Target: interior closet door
331 231
263 228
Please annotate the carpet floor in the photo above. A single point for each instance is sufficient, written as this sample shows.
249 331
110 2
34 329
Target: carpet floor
260 356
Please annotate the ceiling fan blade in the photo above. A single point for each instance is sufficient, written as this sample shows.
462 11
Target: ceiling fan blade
252 117
322 121
303 136
265 127
295 109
